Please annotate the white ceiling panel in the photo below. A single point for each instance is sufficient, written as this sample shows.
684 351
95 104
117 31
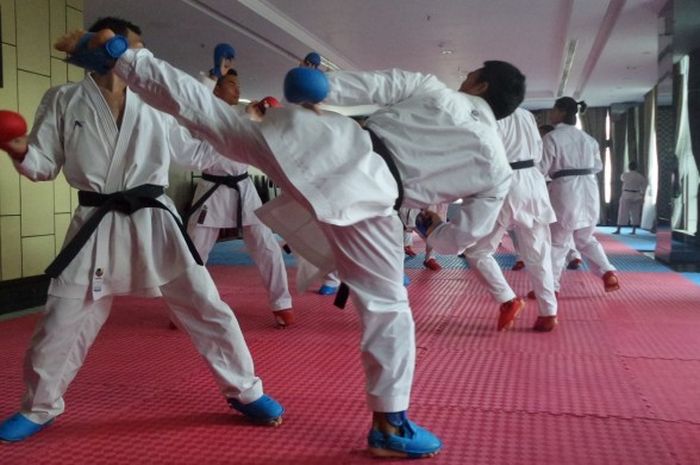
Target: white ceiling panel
614 59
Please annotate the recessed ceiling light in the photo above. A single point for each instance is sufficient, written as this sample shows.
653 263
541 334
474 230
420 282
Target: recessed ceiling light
446 51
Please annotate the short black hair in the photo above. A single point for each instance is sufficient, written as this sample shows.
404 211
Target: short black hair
506 89
117 25
570 107
632 165
230 72
545 129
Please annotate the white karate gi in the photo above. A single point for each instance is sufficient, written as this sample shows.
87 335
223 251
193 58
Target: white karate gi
528 211
327 170
634 186
445 144
221 212
575 198
208 82
408 219
331 280
142 253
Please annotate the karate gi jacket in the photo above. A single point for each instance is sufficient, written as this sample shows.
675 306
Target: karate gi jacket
75 131
222 205
323 163
575 199
445 143
528 199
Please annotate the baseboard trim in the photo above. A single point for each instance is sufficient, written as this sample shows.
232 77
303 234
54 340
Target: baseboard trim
23 293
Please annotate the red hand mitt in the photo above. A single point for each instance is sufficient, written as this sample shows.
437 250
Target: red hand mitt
268 102
12 125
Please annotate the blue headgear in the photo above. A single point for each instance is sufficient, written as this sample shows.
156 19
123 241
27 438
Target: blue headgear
305 85
314 59
221 52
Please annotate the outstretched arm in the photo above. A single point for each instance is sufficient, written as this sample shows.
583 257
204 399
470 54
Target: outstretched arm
173 91
378 87
189 152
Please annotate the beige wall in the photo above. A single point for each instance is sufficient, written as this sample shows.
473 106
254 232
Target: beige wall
34 217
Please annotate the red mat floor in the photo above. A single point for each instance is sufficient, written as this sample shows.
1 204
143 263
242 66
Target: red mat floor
617 383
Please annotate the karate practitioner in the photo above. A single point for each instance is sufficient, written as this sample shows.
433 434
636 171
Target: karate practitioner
634 186
326 168
330 285
325 165
528 211
311 60
226 198
116 150
224 56
571 158
331 281
408 218
444 143
573 258
519 263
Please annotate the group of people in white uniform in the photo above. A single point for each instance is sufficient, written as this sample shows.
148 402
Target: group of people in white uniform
115 133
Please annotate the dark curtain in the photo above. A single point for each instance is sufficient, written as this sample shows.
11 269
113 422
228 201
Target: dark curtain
593 122
632 135
541 116
619 145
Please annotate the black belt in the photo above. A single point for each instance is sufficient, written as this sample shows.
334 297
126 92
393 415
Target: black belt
578 172
519 165
228 181
126 202
380 148
631 190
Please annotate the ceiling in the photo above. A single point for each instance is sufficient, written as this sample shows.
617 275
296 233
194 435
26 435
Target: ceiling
614 42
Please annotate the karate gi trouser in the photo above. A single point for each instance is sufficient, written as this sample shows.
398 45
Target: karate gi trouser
266 253
535 250
629 211
572 254
516 245
408 218
587 245
331 280
476 218
69 326
369 259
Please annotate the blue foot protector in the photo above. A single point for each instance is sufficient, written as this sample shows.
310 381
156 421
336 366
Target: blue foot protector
18 428
100 60
264 410
328 290
423 224
406 280
412 441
